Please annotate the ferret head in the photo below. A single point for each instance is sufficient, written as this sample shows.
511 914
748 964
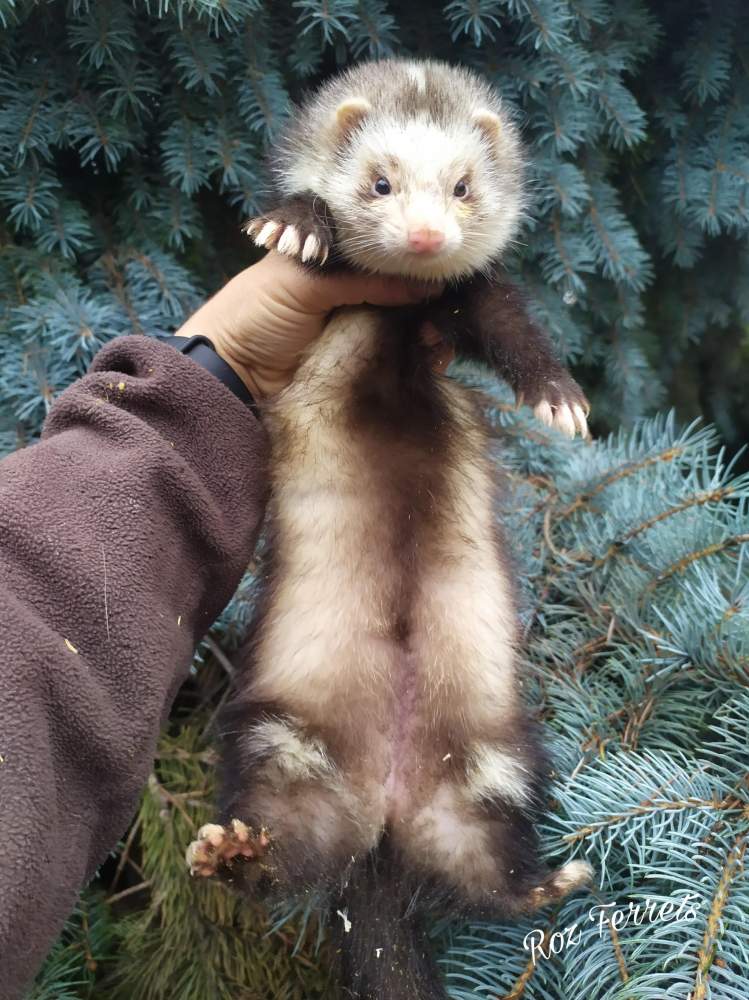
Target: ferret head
423 173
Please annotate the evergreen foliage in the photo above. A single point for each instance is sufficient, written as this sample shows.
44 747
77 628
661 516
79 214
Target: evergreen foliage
131 147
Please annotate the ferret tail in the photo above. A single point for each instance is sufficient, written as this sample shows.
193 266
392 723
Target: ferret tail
382 945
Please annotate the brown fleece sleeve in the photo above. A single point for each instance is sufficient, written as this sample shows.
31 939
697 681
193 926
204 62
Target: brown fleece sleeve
122 535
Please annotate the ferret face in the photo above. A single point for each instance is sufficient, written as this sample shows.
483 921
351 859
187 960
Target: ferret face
421 199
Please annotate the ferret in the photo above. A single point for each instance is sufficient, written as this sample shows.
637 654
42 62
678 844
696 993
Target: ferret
377 749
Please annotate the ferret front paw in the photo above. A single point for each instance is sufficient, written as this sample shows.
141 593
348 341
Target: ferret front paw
569 418
287 239
560 403
220 847
299 228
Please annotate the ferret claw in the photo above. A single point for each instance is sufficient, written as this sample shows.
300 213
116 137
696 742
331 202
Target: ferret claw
289 242
311 248
544 413
568 418
269 234
287 239
253 227
564 421
581 420
220 846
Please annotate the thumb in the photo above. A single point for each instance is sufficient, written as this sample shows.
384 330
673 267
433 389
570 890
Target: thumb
377 290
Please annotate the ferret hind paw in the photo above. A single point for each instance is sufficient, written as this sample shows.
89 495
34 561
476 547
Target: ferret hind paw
559 883
222 846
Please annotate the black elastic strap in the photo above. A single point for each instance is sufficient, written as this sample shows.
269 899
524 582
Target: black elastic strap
202 352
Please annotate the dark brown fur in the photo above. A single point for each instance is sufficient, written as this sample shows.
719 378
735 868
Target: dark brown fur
484 318
398 410
388 753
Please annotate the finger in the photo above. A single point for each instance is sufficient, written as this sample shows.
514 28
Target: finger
378 290
319 293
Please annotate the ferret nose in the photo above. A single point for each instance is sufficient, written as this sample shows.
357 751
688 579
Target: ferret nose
425 240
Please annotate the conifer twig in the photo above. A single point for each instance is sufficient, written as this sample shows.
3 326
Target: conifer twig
707 954
709 550
583 498
666 805
525 976
126 848
131 890
617 946
698 499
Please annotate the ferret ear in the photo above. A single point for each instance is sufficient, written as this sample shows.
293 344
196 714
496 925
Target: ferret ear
349 114
489 123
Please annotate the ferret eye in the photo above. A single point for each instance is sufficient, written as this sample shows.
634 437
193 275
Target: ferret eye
461 190
381 186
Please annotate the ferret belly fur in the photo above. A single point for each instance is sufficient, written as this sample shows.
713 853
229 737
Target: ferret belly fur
378 734
377 748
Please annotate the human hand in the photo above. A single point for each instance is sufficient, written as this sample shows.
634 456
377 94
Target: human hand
263 319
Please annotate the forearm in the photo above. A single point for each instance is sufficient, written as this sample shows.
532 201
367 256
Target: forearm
488 321
122 535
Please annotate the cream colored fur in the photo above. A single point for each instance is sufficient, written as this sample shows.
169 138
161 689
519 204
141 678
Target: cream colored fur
469 134
295 757
327 628
325 653
328 531
494 773
387 646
